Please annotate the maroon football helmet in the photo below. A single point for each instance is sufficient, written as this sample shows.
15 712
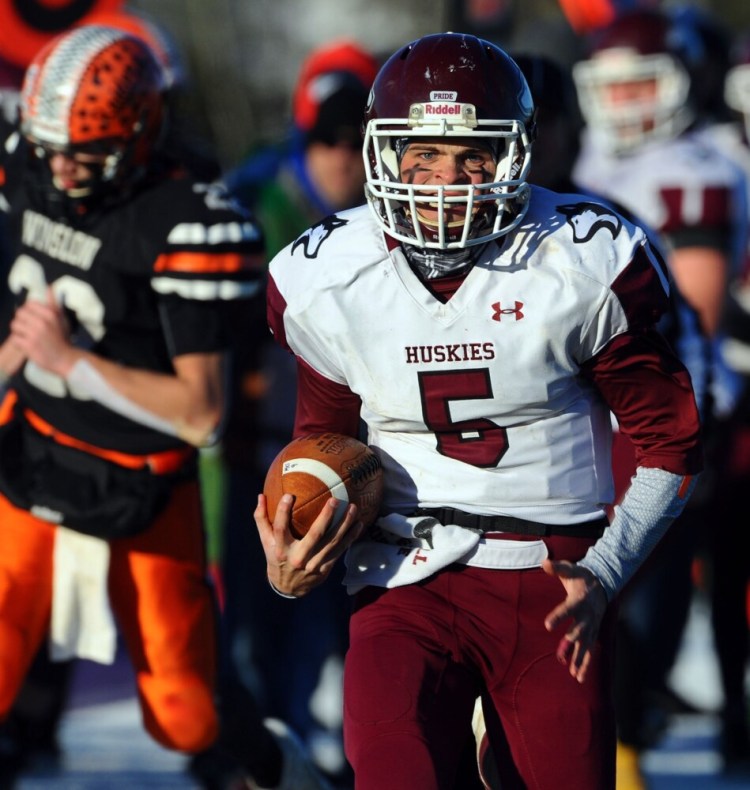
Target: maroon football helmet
454 86
647 48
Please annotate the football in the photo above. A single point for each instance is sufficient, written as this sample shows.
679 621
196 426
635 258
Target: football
315 468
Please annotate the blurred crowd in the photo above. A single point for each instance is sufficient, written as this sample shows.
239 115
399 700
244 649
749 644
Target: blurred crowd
644 105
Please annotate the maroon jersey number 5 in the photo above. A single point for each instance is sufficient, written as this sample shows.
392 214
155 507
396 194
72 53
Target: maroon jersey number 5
477 442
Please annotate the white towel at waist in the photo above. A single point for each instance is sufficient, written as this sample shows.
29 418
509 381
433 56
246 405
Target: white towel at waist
82 623
393 554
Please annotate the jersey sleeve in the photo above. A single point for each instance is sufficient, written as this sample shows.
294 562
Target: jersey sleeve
635 296
646 386
210 259
324 405
275 306
650 393
714 226
703 204
643 287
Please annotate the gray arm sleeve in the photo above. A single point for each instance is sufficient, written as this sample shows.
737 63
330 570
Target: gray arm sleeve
655 498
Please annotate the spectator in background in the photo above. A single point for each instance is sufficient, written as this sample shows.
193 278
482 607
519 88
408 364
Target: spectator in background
713 43
11 77
286 652
588 16
318 169
638 91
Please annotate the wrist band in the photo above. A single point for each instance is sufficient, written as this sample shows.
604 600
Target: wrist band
278 592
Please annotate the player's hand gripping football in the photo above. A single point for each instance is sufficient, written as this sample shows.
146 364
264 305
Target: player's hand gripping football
294 566
584 606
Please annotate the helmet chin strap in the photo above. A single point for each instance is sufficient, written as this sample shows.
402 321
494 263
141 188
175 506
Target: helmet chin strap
432 264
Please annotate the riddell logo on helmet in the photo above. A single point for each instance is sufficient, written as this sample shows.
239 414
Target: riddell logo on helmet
449 108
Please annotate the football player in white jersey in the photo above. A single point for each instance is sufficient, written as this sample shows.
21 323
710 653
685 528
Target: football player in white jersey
483 329
640 148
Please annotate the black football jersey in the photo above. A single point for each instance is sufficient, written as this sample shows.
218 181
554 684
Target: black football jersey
141 282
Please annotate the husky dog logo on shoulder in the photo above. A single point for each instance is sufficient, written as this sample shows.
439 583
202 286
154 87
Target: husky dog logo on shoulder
588 218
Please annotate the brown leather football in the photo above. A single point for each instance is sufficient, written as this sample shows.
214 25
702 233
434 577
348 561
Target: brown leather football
315 468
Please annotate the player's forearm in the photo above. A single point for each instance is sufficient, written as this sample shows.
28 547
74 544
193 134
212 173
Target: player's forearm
188 405
655 498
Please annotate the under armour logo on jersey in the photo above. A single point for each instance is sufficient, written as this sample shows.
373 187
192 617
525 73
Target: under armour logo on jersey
500 311
312 239
588 218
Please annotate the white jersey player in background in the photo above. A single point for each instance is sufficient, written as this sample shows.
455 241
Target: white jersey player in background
642 148
482 329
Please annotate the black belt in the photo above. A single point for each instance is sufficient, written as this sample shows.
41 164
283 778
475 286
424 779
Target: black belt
517 526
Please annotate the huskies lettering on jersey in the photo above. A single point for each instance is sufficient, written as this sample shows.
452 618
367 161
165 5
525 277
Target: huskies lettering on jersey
312 239
457 352
587 219
59 241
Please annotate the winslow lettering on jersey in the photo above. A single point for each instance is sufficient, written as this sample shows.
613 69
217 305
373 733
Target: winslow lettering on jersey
59 240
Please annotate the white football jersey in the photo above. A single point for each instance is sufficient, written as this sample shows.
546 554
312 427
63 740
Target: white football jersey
676 185
670 185
475 403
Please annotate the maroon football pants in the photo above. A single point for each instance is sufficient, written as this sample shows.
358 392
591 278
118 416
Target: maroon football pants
421 654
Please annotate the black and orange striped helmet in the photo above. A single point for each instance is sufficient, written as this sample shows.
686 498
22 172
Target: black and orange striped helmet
158 37
95 89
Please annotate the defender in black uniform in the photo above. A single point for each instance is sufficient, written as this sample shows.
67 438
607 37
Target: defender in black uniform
114 354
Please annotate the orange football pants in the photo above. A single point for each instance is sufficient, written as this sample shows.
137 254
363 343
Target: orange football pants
162 602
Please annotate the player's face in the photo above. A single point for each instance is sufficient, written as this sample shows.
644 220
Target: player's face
633 93
70 171
434 161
